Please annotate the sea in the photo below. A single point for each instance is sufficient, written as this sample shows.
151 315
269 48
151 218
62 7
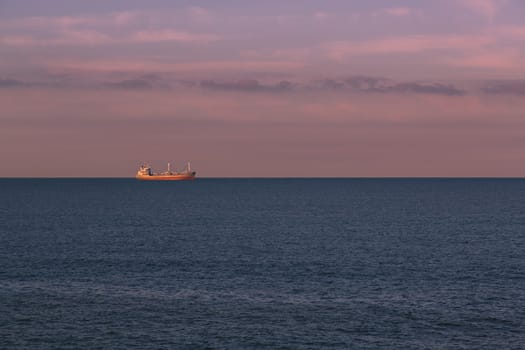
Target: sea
262 264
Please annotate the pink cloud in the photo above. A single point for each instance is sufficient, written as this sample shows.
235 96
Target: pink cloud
53 23
65 38
322 16
510 32
59 22
148 66
81 37
407 44
18 40
401 11
125 18
487 8
71 37
502 59
171 35
200 14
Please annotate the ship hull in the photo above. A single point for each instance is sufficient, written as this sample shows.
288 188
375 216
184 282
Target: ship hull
165 177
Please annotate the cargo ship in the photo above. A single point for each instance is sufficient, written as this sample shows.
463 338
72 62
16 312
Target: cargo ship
145 173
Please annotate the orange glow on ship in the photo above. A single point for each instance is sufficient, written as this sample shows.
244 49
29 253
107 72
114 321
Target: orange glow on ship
145 173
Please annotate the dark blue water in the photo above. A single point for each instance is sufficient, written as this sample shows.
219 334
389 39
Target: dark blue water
262 264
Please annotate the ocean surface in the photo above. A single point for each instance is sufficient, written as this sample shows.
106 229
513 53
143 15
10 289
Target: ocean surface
262 264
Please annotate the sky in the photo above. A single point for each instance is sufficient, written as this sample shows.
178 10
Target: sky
303 88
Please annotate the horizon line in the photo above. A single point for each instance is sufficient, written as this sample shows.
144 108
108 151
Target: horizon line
264 177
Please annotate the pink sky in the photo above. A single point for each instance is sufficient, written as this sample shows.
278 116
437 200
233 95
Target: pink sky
332 88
